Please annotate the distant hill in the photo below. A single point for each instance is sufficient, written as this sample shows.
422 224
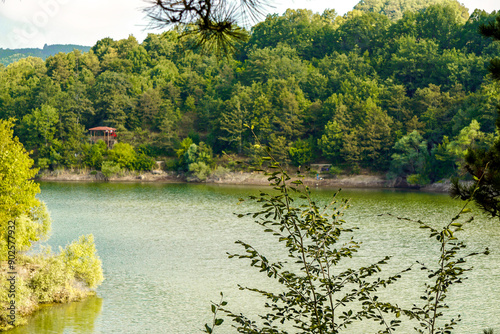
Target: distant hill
8 56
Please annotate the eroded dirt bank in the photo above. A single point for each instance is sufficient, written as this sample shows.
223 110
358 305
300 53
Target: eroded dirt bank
239 178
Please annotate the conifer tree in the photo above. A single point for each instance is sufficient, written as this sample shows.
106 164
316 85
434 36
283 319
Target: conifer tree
485 164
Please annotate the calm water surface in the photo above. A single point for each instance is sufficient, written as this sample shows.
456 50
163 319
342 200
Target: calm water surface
163 248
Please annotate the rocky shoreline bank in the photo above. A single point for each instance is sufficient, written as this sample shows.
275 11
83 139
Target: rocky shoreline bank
240 178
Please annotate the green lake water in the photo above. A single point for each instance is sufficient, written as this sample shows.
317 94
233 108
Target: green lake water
163 248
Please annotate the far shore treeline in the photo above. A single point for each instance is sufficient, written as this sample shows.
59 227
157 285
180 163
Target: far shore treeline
405 94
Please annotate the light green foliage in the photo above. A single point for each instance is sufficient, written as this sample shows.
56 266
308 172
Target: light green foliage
68 275
111 168
197 159
43 163
17 191
53 279
123 154
94 154
81 259
200 170
454 152
24 220
470 138
32 227
220 172
24 302
417 179
39 127
394 9
182 152
205 154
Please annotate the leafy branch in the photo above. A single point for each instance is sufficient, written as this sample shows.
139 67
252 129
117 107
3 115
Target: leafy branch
317 296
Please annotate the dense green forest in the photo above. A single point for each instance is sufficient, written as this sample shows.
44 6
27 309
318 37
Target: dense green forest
8 56
403 91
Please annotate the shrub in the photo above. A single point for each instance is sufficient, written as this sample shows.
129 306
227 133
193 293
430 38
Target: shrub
220 172
110 168
51 282
417 179
144 162
123 154
81 259
43 163
93 156
200 170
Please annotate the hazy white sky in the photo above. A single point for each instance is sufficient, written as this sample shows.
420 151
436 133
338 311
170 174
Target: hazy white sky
32 23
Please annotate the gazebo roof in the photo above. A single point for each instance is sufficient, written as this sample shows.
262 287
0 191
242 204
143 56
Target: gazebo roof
102 128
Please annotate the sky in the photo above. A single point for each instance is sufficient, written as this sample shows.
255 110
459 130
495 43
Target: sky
33 23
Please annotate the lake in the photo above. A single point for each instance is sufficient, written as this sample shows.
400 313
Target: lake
163 248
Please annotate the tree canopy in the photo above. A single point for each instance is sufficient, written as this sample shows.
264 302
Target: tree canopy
484 163
319 87
19 208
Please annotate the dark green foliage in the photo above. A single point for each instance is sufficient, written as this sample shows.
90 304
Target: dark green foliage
481 163
492 29
411 157
352 85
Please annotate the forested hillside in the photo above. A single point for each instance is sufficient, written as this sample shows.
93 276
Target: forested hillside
407 96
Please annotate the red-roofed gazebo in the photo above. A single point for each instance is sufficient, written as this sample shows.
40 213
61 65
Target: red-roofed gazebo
103 133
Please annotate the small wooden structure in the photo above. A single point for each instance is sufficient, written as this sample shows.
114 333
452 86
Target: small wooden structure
107 134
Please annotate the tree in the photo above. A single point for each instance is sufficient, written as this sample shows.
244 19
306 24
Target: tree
331 141
233 121
301 152
411 156
20 210
39 127
492 29
24 220
483 164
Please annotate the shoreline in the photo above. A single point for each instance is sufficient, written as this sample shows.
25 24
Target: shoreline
241 178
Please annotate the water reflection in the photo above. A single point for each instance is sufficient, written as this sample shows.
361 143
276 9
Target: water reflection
76 318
